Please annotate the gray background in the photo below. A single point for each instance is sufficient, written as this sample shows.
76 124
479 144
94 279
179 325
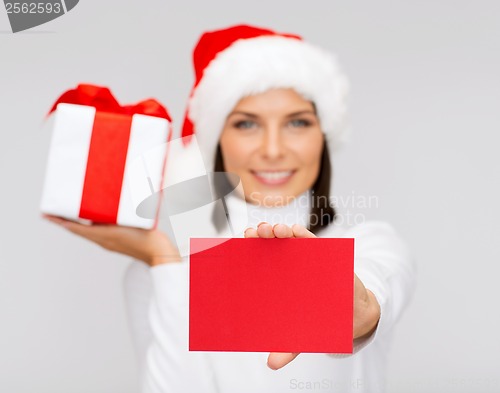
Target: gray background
424 108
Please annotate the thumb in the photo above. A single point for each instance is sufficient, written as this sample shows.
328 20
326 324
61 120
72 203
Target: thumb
276 360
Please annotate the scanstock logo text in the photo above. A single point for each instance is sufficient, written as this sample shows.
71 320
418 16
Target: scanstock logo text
26 14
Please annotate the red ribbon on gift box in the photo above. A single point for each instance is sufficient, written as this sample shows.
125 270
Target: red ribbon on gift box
103 100
108 147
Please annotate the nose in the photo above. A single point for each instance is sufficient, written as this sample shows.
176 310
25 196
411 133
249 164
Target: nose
272 146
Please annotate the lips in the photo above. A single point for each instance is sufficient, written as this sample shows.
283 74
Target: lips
273 177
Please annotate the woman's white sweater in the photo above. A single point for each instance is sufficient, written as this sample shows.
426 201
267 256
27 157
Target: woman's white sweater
157 303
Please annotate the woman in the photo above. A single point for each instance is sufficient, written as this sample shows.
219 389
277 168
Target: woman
279 105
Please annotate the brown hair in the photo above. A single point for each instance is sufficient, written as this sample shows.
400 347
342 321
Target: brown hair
322 213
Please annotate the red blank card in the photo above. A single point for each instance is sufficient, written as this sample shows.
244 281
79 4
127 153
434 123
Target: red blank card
271 295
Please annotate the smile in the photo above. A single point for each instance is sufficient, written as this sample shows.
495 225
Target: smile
273 177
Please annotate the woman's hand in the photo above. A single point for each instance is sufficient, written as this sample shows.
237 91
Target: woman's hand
151 246
366 307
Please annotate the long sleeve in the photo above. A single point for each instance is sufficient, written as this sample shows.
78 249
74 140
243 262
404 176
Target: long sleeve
170 367
166 365
137 290
385 266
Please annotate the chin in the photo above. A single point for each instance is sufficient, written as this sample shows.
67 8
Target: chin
269 198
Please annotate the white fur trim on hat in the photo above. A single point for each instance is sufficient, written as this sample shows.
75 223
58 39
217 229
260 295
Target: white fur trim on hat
254 65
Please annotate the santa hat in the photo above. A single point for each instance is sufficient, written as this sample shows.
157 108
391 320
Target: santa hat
244 60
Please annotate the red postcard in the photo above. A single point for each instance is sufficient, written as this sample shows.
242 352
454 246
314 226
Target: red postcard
271 295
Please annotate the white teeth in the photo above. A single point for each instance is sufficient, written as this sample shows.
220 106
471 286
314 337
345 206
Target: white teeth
274 175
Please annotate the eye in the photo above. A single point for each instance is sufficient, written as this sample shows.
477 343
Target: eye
244 124
300 123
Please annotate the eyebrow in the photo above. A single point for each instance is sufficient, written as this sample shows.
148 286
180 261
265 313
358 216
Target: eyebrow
253 115
301 113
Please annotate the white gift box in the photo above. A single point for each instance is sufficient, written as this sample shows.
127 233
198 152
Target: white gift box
100 169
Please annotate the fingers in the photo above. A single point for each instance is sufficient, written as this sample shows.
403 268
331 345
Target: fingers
70 225
276 360
92 232
282 231
89 231
251 232
54 219
302 232
265 230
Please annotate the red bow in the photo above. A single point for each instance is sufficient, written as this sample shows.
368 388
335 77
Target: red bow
103 100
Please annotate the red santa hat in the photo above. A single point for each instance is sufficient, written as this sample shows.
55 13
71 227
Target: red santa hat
244 60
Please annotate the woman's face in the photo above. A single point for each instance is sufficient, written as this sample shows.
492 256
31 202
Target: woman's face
273 142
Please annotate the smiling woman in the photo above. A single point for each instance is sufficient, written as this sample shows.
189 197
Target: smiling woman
273 142
270 108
